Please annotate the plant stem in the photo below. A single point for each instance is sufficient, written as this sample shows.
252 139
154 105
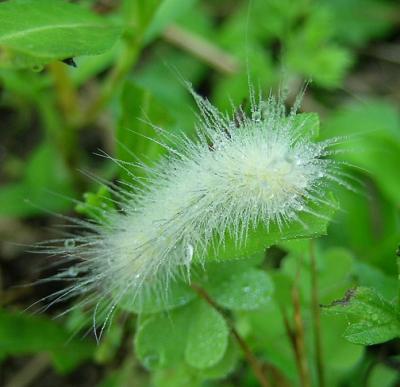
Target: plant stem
251 358
30 372
298 337
316 316
66 92
201 48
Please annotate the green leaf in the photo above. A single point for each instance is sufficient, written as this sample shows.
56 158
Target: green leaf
178 294
240 289
195 333
161 338
96 205
261 237
207 339
35 32
22 334
225 365
373 319
307 123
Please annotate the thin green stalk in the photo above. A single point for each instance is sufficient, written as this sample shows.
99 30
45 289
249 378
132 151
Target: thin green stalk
67 97
316 317
298 337
398 276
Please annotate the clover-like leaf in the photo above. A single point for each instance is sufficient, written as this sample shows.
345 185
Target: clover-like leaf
208 337
196 334
373 319
246 289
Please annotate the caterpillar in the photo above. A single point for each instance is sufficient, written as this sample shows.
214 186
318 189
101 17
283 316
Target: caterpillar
242 169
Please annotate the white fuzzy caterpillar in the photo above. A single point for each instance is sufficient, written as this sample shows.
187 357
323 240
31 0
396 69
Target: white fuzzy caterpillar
242 170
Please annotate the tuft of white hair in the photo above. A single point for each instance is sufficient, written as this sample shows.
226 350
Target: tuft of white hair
242 169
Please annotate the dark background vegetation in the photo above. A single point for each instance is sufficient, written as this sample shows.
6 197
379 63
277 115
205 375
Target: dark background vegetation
55 117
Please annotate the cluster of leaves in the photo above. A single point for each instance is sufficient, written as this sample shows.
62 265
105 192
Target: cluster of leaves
54 113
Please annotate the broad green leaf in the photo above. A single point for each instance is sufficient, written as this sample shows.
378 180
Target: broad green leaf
195 333
161 338
246 289
23 334
176 295
207 337
35 32
261 237
373 319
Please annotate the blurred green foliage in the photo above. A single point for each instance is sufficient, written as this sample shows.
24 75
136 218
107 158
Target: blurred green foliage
131 57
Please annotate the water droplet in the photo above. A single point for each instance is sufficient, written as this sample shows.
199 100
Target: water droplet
189 254
69 243
151 360
72 272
